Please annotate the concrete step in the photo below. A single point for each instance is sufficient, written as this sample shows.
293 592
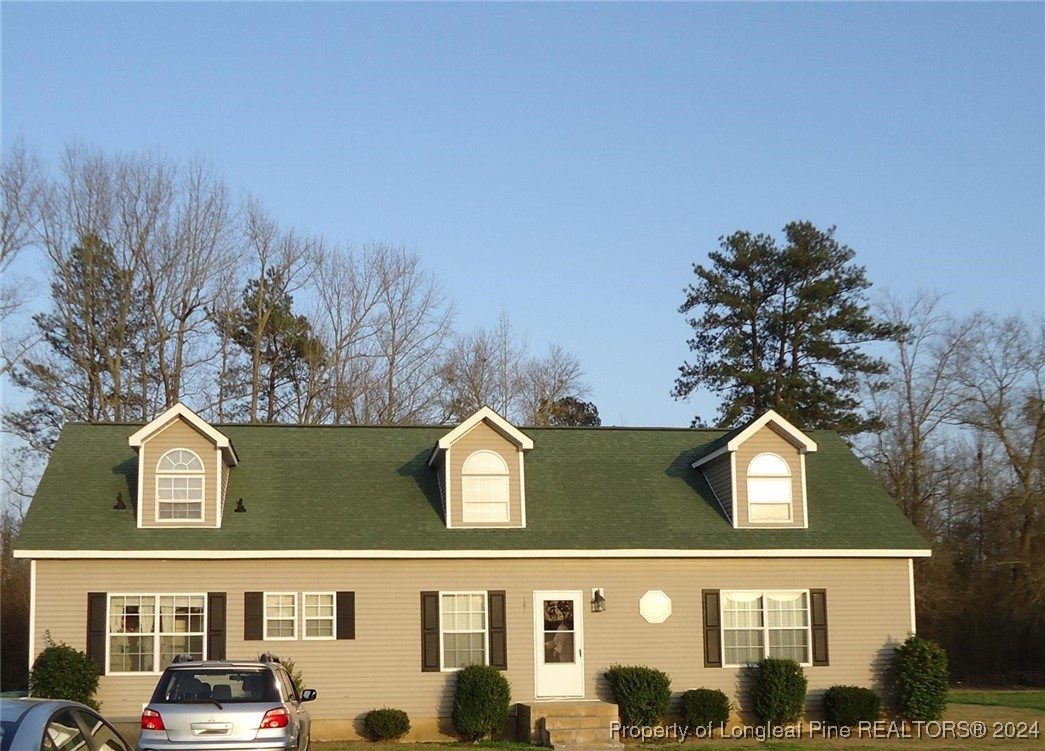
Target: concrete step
578 722
583 738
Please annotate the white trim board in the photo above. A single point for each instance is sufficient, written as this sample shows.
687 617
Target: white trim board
465 554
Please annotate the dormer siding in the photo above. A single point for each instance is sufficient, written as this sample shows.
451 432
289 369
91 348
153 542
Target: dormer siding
178 434
719 474
482 437
768 441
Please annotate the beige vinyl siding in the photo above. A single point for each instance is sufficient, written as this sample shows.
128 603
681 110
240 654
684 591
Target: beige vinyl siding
719 475
177 435
484 437
765 441
868 615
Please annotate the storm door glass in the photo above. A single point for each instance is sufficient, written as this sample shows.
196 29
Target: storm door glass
559 631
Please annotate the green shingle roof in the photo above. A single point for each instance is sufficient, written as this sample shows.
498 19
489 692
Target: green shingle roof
370 488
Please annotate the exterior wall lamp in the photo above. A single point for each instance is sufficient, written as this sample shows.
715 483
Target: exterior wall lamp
598 600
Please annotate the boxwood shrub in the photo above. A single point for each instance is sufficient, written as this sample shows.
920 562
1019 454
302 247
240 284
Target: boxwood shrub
779 692
851 705
920 677
643 694
481 699
386 724
61 672
705 706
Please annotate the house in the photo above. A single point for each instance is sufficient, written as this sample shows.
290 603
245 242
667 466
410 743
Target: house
381 559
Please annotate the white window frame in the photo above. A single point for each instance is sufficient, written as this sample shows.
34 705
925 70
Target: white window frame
474 500
293 619
752 504
188 474
156 633
306 618
443 630
763 594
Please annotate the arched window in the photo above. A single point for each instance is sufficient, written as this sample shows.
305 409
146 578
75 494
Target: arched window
180 478
769 489
484 487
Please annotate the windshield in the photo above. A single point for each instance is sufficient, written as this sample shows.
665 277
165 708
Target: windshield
209 685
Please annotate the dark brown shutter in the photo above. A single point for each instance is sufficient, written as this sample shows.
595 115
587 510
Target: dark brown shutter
253 616
346 615
818 610
216 625
712 630
429 632
96 617
498 633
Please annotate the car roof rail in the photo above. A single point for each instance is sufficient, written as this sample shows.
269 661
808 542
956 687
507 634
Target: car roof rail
269 657
183 657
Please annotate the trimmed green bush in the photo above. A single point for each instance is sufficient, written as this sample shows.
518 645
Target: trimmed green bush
481 698
920 678
851 705
643 695
61 672
705 706
779 691
386 724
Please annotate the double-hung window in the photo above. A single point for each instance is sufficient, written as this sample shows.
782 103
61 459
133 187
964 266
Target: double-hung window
320 615
462 616
765 624
281 615
180 478
484 487
146 631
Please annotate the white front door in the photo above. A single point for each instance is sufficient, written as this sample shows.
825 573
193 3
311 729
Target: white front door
558 637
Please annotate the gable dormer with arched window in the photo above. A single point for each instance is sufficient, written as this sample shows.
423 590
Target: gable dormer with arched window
757 473
183 466
481 473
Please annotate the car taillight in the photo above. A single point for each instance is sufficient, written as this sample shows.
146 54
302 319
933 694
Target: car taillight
151 720
275 718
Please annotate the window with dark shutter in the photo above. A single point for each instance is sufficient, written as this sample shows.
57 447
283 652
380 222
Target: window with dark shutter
498 631
216 625
818 620
712 630
429 632
346 615
96 623
253 616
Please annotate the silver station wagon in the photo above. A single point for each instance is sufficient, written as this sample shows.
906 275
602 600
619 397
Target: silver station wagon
226 706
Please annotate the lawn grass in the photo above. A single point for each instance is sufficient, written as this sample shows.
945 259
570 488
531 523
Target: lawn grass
1018 699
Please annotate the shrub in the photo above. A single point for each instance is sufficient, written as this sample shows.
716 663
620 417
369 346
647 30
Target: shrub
61 672
705 706
779 692
386 724
481 699
851 705
643 695
920 678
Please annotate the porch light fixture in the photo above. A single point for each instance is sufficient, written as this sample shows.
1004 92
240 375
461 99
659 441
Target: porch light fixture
598 600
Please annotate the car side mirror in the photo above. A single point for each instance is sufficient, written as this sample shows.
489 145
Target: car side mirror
308 694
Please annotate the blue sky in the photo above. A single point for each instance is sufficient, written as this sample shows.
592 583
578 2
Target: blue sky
569 162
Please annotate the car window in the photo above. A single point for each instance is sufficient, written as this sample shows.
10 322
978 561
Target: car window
208 685
63 734
105 736
289 692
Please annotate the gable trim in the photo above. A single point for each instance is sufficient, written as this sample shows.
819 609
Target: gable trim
219 439
791 434
469 554
498 423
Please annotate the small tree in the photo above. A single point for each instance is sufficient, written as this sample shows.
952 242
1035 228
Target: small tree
61 672
481 699
779 692
920 678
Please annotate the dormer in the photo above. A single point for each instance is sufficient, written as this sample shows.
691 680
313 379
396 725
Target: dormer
183 469
481 476
758 473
